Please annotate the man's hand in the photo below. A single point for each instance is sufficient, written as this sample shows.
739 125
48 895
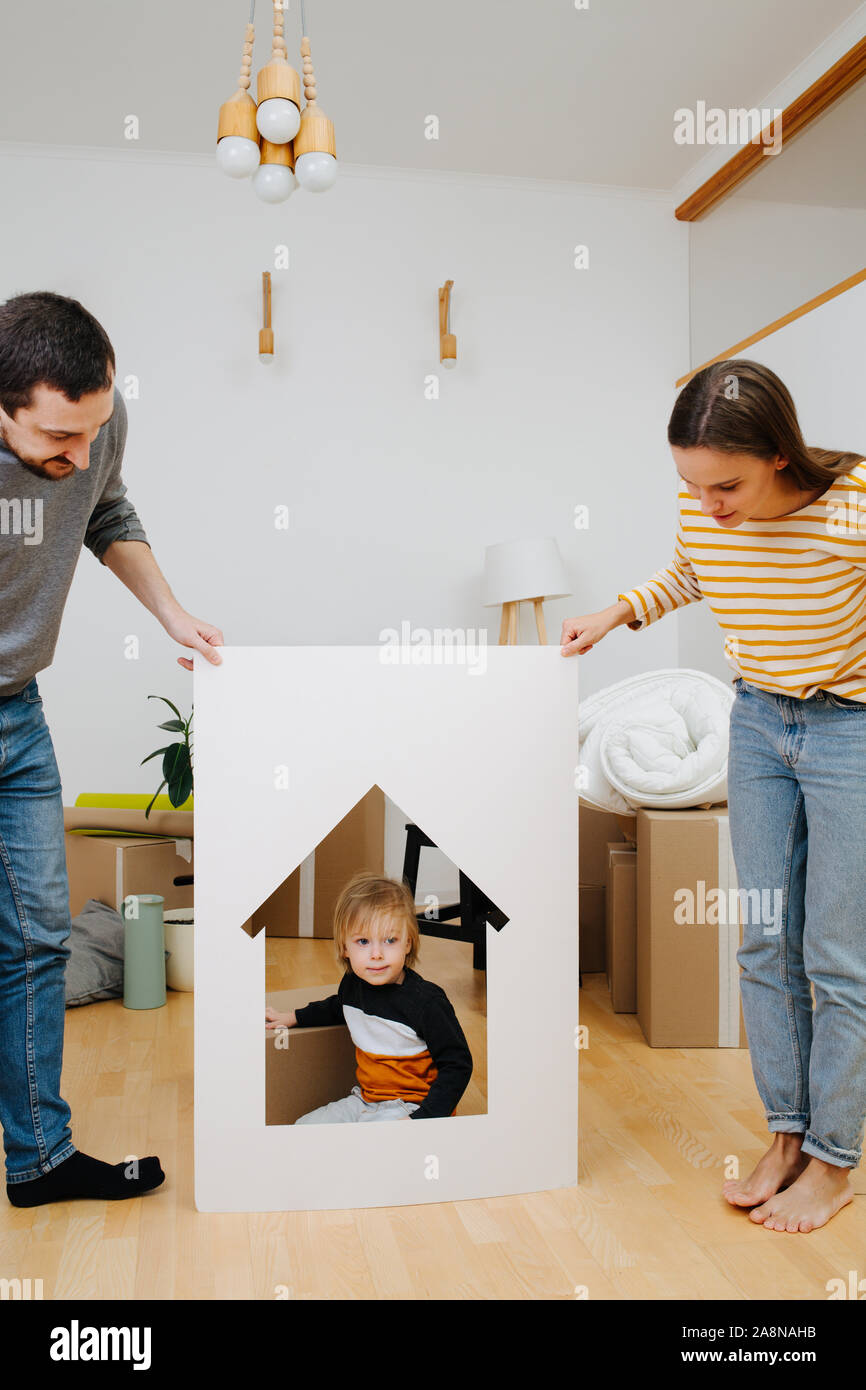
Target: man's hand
134 564
195 633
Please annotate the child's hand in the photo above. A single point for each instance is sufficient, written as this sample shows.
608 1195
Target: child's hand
275 1020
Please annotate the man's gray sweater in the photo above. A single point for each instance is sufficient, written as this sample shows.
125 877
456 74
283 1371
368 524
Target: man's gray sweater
43 524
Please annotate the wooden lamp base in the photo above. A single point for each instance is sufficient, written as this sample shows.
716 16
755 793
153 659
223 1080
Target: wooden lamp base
508 627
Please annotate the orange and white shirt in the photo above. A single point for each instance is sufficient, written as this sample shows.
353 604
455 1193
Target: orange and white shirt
788 592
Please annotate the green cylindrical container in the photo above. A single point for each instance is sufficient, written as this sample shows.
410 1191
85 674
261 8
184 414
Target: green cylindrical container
143 951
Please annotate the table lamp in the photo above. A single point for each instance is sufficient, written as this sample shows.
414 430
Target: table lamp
523 571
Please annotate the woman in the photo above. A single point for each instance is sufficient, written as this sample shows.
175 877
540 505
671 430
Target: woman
773 535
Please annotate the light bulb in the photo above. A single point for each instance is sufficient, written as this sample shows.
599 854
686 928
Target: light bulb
266 357
449 362
316 171
237 156
274 183
278 120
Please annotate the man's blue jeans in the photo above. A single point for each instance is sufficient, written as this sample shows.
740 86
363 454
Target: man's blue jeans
34 925
797 815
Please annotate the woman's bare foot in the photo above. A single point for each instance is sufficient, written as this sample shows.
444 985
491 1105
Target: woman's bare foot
781 1165
819 1192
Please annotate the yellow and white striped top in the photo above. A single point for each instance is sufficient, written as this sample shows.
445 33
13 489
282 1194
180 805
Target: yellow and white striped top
789 592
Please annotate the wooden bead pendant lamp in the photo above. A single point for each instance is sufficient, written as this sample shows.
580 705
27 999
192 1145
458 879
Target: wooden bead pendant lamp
281 146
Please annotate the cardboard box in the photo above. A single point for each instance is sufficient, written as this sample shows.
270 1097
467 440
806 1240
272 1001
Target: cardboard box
596 829
688 930
621 927
316 1067
304 903
128 854
591 927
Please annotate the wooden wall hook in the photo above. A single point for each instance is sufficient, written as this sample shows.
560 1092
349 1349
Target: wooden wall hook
447 340
266 334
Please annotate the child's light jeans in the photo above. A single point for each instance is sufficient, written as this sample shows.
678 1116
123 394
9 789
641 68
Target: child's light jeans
355 1109
797 816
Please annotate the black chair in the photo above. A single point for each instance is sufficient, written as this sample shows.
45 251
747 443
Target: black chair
474 909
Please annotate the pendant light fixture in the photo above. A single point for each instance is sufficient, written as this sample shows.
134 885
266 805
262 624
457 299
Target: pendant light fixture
280 145
237 136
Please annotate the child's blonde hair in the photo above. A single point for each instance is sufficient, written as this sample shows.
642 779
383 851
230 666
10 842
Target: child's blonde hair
367 896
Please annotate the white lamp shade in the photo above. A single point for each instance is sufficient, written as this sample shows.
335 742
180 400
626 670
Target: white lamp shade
524 569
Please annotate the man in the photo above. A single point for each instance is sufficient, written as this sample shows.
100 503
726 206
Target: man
62 434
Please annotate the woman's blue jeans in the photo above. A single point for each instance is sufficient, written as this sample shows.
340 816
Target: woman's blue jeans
797 815
34 925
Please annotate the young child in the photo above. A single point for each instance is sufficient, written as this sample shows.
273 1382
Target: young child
413 1062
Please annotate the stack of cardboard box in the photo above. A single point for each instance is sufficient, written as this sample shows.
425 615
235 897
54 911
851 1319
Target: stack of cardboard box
122 852
671 914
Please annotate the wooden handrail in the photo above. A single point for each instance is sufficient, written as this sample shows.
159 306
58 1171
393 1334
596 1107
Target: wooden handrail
828 88
797 313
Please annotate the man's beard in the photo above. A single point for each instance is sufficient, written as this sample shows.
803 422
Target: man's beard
37 469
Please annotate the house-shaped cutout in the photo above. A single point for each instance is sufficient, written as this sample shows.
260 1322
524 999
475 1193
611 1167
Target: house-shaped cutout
302 903
307 1069
287 740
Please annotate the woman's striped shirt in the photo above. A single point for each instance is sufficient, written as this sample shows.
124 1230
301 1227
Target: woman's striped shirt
788 592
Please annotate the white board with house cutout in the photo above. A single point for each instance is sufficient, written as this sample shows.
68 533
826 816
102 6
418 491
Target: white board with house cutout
287 739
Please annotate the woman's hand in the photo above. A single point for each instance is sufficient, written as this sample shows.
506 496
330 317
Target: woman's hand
275 1020
580 635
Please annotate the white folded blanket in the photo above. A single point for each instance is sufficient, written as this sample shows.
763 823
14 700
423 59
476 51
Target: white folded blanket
660 740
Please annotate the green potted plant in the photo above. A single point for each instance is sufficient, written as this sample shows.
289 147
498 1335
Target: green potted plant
177 775
176 758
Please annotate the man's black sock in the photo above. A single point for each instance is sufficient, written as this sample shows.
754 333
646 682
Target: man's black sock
82 1176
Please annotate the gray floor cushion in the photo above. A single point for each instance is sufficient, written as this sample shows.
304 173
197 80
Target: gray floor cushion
95 968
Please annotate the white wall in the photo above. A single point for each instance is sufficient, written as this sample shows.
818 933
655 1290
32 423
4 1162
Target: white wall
753 261
561 396
820 359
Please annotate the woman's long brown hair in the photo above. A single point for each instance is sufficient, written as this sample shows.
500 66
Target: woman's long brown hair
738 406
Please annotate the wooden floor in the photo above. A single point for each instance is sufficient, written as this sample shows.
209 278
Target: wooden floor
645 1222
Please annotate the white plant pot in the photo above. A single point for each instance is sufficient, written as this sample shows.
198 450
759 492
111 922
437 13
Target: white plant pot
179 967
